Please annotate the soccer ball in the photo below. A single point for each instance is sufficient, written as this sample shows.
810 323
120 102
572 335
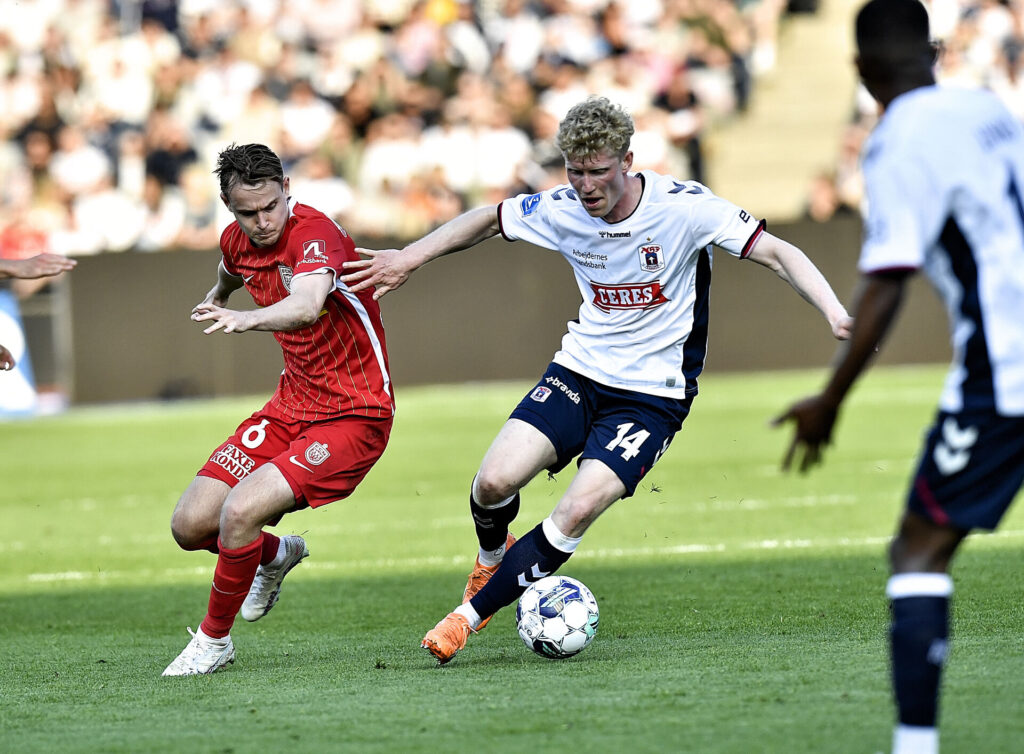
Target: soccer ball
557 617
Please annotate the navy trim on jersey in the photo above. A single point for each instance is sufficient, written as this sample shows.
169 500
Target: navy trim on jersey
695 350
978 387
749 245
501 226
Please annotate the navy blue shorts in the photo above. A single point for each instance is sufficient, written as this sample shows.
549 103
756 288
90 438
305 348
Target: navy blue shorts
626 430
970 470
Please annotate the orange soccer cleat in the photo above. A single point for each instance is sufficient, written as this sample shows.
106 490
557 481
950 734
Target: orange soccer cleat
447 637
480 575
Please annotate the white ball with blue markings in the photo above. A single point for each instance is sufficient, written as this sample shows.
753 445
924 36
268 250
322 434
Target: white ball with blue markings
557 617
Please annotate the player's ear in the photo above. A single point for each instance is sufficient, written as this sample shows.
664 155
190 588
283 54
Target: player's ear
286 185
224 198
627 161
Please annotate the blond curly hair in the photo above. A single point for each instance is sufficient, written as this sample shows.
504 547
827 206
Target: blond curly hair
595 126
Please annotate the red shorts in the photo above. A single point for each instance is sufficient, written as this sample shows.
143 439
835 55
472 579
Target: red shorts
323 461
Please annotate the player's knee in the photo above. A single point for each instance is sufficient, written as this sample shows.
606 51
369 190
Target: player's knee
491 487
573 516
189 535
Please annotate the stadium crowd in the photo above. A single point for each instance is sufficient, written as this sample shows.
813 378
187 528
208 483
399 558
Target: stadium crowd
391 115
981 44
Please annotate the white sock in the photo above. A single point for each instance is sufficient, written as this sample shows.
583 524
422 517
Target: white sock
913 739
491 557
558 540
466 611
204 639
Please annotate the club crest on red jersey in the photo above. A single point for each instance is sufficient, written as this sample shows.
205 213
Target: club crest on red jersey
628 296
652 257
286 276
317 453
314 252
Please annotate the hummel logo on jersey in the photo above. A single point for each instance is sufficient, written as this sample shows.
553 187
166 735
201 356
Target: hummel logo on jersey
954 450
652 258
615 234
629 296
314 252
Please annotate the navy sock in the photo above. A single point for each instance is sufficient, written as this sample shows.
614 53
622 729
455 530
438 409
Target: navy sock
530 559
919 640
492 523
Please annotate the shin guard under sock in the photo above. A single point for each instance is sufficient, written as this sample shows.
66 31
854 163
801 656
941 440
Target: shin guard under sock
919 638
528 560
231 581
492 523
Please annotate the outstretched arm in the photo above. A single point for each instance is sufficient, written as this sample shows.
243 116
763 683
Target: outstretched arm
39 266
814 417
299 309
387 269
793 266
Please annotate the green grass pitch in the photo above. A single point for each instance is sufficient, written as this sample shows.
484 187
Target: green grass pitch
741 610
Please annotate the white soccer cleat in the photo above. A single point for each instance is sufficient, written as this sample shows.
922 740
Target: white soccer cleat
202 656
266 586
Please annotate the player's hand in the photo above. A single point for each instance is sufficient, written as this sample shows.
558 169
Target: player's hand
226 320
6 360
842 328
380 269
814 418
44 266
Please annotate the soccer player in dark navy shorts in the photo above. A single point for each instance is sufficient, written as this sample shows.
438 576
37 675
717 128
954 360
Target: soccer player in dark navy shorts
640 247
625 430
944 172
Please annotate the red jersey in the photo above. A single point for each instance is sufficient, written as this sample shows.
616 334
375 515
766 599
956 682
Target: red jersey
339 364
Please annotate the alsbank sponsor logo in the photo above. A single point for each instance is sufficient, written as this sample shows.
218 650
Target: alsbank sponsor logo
234 460
628 296
314 252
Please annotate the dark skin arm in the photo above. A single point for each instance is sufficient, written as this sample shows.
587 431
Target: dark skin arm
815 416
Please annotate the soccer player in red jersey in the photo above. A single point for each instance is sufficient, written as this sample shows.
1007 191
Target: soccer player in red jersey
326 424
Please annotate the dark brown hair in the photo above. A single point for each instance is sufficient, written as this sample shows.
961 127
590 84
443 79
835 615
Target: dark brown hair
248 164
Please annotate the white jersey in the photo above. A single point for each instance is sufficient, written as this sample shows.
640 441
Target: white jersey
645 280
944 172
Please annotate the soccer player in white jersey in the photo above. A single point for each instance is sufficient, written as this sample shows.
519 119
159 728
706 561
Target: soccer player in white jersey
622 384
944 171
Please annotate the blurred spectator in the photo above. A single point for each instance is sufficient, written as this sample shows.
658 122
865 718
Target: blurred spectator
115 110
981 42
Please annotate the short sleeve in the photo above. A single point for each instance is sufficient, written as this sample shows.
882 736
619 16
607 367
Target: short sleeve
720 222
318 247
528 217
904 211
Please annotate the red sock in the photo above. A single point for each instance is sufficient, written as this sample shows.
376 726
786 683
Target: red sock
231 581
270 545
